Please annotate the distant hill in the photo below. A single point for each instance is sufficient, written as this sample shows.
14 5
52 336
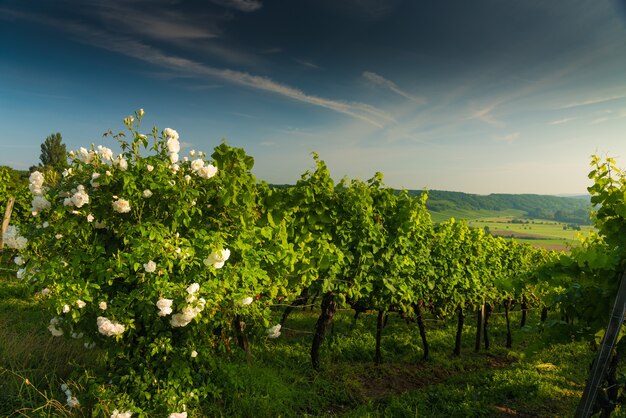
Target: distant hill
574 209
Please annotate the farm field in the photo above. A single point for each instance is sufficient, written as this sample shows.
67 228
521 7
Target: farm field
542 233
533 379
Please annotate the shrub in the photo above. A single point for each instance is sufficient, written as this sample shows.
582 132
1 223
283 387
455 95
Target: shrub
157 261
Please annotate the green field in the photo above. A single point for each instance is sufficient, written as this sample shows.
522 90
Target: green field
537 232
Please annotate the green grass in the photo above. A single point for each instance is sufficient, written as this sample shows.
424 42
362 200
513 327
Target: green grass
544 381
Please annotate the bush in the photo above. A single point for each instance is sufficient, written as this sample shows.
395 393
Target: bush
158 261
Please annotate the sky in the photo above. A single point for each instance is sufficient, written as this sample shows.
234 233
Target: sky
482 96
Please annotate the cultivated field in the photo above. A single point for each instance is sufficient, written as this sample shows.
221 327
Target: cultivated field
542 233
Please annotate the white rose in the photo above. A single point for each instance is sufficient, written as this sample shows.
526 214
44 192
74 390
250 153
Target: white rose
150 266
174 159
193 288
90 218
80 198
66 308
39 204
121 162
149 167
147 193
93 181
274 331
108 327
194 354
197 164
207 171
116 413
165 306
85 155
121 206
103 305
36 180
105 153
170 133
53 327
217 258
178 415
247 301
81 304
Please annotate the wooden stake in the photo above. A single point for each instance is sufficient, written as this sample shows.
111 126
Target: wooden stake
601 363
7 218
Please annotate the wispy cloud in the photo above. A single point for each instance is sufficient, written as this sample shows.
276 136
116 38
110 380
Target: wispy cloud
595 100
133 48
561 121
600 120
510 138
241 5
485 114
307 64
161 24
383 82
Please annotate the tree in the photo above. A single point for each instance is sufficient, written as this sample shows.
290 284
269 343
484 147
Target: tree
53 152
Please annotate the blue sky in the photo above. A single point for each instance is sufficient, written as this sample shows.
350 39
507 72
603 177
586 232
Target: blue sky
483 97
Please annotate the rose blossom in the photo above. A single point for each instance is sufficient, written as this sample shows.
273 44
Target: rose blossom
108 327
207 171
274 331
217 258
150 266
121 206
165 306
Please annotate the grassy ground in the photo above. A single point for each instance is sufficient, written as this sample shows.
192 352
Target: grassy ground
542 381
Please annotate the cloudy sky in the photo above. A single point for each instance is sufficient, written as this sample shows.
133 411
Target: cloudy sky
482 96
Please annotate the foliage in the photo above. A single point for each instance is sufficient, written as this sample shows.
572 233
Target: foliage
53 152
14 184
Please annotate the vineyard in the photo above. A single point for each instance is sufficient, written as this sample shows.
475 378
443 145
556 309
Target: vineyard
183 286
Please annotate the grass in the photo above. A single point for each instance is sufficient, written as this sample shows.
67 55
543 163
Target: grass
530 380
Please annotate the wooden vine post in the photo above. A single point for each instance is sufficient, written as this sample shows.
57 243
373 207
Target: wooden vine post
479 326
6 219
601 364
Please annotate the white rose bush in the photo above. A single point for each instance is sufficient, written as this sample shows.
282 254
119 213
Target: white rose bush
153 259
